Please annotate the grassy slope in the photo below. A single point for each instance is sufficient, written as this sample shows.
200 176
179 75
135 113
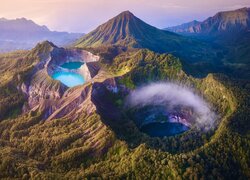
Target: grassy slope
16 68
64 149
224 155
12 69
129 31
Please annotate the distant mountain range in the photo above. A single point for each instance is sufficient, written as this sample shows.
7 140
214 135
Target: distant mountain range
230 32
223 22
24 34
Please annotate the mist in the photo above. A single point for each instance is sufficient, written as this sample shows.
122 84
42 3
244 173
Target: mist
173 95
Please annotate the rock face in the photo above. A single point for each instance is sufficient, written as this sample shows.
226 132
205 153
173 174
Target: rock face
40 87
72 104
100 97
88 98
178 119
52 97
60 56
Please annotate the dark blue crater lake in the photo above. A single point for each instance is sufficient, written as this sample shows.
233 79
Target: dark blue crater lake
158 129
154 121
70 79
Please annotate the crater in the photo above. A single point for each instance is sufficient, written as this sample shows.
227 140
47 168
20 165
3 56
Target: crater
73 67
68 78
156 121
161 115
168 109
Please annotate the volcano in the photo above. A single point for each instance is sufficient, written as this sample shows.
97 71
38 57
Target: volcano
129 31
126 30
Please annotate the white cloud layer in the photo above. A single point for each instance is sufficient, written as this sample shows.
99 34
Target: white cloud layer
173 95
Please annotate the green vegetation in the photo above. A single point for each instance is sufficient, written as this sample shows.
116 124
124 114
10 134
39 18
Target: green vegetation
126 30
200 54
98 145
15 69
86 132
11 100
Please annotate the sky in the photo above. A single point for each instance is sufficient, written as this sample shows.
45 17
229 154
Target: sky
85 15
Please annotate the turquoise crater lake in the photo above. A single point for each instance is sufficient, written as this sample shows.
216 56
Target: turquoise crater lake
70 79
72 65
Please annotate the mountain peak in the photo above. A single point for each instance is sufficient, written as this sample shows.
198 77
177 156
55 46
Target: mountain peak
125 29
243 9
22 19
222 22
49 43
3 19
42 47
126 13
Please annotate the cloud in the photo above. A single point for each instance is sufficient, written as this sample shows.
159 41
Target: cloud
173 95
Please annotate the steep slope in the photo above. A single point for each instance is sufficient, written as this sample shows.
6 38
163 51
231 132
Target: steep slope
125 30
229 31
131 32
85 138
84 132
223 22
17 68
24 34
184 28
26 83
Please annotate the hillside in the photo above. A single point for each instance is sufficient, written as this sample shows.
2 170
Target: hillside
90 134
188 27
24 34
229 31
129 31
126 30
235 21
92 130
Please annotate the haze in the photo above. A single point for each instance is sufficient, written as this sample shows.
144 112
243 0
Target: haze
173 95
85 15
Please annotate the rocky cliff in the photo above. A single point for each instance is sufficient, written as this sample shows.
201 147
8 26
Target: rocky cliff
50 96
